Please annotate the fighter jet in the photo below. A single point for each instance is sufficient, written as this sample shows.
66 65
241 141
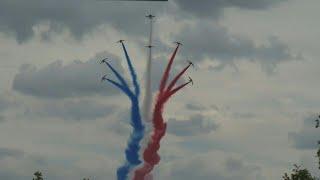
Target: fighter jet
104 78
120 41
178 43
317 123
103 60
191 63
150 16
190 80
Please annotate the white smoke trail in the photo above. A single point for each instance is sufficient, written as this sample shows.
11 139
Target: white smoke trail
148 94
147 104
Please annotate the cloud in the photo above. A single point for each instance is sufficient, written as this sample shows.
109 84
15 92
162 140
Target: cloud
213 166
18 18
233 164
196 125
5 102
195 107
12 161
207 41
7 152
75 109
308 136
72 80
214 8
18 165
202 39
243 115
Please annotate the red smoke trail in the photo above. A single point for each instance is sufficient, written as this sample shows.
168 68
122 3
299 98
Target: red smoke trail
150 154
167 71
174 81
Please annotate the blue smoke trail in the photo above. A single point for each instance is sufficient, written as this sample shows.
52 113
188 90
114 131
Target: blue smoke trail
133 146
120 78
132 71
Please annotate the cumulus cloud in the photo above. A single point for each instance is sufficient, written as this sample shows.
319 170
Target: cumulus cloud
214 8
308 136
7 152
196 125
243 115
19 18
16 164
72 109
207 41
72 80
82 17
5 102
213 166
12 161
78 16
195 107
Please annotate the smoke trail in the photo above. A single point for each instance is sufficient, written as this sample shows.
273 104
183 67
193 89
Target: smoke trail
167 71
132 71
174 81
133 146
120 78
150 154
148 95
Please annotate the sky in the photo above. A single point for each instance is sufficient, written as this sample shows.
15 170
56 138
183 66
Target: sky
249 116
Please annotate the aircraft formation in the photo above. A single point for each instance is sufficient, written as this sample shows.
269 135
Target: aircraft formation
178 43
138 165
150 157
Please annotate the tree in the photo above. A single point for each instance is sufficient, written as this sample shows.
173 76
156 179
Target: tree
303 174
298 174
318 156
38 176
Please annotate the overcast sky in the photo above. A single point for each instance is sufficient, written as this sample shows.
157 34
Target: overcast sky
249 116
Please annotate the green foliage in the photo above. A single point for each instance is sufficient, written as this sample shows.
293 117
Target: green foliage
298 174
301 174
318 156
38 176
